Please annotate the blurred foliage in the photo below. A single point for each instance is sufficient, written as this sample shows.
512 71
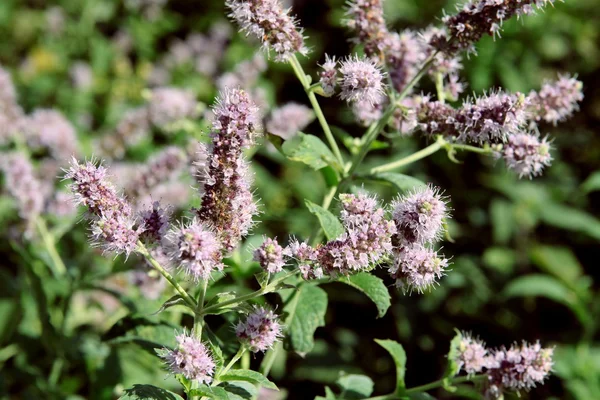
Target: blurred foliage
524 252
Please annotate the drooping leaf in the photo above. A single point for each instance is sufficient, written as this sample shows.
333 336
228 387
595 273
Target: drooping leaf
310 150
149 392
355 387
332 227
239 390
306 312
248 376
399 355
402 182
373 287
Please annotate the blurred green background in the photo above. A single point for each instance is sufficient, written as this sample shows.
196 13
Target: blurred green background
525 253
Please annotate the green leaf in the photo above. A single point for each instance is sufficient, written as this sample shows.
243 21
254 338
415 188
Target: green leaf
501 214
332 227
149 392
310 150
571 219
592 183
373 287
402 182
452 368
248 376
306 312
355 387
239 390
557 261
151 338
397 352
216 393
175 300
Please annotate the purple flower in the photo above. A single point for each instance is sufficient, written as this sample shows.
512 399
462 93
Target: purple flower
480 17
419 216
471 354
155 222
417 268
405 54
270 256
367 240
133 127
169 105
260 330
404 118
367 113
10 112
306 257
50 130
361 80
227 202
526 154
115 232
328 76
556 101
288 120
61 204
23 185
518 368
365 18
269 22
196 249
162 167
191 358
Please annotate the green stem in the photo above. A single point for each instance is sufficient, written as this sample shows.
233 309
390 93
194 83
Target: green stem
428 386
199 323
231 363
426 65
474 149
271 287
144 252
56 370
432 148
316 107
59 269
439 87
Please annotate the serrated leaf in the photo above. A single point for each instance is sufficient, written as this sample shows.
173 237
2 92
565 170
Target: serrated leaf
216 393
402 182
248 376
399 355
306 312
332 227
355 387
373 287
310 150
239 390
149 392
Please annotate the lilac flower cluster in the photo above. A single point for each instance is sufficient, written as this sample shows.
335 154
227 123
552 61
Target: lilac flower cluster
361 80
306 258
419 219
269 22
478 18
111 215
227 203
48 129
556 101
367 240
10 111
23 185
517 368
168 105
526 154
191 358
260 330
196 249
328 76
133 127
270 256
288 120
155 221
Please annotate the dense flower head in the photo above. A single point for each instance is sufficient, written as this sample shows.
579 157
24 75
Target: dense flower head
471 354
404 119
306 257
419 216
481 17
269 22
23 185
367 239
169 105
260 330
328 76
405 54
191 358
366 19
526 154
10 112
50 130
417 268
361 79
237 120
288 120
93 190
556 101
196 249
270 256
115 232
518 368
366 112
160 168
155 222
